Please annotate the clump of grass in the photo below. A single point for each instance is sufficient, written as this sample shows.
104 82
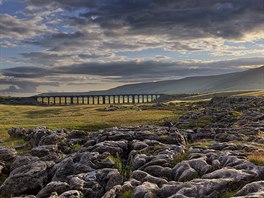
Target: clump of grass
164 136
2 178
13 142
202 143
244 137
227 194
257 158
155 148
127 194
261 135
124 167
152 132
232 190
200 122
117 162
76 147
151 149
23 151
236 114
179 158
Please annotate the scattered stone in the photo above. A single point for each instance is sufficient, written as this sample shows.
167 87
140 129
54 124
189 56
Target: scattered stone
7 153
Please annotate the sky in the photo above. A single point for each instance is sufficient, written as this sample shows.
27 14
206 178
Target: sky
86 45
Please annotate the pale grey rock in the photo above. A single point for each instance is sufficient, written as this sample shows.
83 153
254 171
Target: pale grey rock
31 177
58 187
254 189
72 194
142 190
7 153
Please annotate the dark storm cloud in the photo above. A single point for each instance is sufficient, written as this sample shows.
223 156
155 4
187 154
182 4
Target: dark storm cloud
188 18
229 19
104 27
135 70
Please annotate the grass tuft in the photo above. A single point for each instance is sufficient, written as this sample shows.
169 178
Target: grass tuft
261 134
227 194
76 147
236 114
127 194
202 143
257 158
117 162
179 158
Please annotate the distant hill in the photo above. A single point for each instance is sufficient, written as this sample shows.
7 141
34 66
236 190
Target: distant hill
251 79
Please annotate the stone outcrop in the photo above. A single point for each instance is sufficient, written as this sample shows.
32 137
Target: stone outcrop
178 160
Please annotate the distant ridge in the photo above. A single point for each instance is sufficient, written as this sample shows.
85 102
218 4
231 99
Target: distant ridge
251 79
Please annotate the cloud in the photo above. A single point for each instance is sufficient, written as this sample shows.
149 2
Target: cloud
7 44
16 28
134 70
49 58
16 85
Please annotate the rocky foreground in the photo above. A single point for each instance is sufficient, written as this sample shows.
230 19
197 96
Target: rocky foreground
184 159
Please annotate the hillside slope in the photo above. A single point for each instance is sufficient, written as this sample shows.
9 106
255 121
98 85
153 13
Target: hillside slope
251 79
246 80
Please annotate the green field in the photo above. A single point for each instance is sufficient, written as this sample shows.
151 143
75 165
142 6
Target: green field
81 117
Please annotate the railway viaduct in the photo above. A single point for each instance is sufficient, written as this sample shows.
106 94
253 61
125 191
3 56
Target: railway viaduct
96 99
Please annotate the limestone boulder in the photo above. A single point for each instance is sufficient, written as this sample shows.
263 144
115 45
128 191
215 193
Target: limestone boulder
7 153
27 179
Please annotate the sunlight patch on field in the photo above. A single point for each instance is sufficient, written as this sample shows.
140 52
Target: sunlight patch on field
208 96
82 117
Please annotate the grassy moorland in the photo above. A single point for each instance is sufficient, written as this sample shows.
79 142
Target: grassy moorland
209 96
82 117
92 117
